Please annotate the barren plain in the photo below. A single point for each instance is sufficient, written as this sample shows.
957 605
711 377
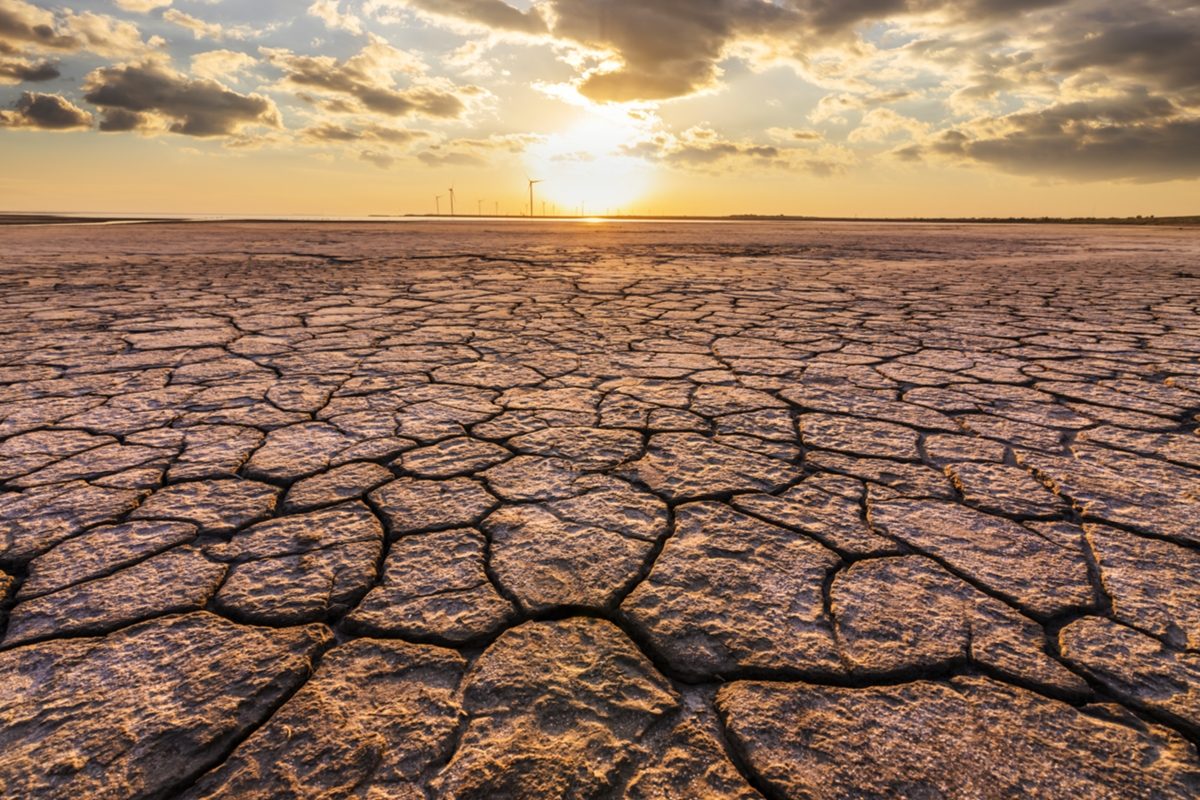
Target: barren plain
505 510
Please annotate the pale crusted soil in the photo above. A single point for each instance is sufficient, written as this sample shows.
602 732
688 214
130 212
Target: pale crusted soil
647 511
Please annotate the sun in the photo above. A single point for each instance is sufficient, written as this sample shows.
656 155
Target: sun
587 168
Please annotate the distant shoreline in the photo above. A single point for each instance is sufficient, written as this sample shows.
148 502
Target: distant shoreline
23 219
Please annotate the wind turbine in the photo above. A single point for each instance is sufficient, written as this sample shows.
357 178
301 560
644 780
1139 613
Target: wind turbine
438 200
479 208
452 201
532 183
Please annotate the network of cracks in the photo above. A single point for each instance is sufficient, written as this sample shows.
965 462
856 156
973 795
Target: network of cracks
301 517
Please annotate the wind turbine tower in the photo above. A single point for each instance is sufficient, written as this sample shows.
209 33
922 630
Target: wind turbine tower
452 201
438 200
532 183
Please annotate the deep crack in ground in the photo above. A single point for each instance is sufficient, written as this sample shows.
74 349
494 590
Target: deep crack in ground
647 511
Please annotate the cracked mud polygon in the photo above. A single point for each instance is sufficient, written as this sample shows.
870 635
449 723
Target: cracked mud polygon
629 510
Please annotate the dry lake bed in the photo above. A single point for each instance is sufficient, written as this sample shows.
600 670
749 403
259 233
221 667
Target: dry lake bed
503 510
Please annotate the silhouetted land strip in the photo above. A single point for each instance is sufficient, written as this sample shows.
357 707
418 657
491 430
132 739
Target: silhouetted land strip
57 219
66 219
1191 220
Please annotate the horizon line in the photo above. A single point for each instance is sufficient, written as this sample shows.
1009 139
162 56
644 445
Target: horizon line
51 218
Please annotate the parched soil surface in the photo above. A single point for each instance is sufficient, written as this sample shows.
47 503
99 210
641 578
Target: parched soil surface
504 510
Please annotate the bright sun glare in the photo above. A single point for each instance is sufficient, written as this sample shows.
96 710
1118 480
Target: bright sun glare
585 170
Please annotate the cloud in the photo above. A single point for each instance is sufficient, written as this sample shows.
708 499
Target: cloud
704 149
476 152
638 51
701 146
199 28
222 64
381 160
150 95
664 49
331 132
1158 50
23 23
627 50
24 26
909 153
20 70
142 6
489 14
1073 89
433 158
207 30
882 124
633 50
1136 136
365 83
794 135
330 12
47 112
833 108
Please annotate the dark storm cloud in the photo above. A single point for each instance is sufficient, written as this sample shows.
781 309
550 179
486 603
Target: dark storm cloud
131 94
1136 137
48 112
364 83
21 71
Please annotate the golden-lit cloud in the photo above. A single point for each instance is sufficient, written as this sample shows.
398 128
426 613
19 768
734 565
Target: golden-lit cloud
142 6
14 70
333 132
26 26
330 11
46 112
486 14
222 64
475 152
150 95
365 82
1135 137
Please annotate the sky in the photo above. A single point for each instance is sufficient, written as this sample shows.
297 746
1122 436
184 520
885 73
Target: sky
804 107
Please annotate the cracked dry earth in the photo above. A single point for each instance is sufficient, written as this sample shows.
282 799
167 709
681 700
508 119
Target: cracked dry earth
644 511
